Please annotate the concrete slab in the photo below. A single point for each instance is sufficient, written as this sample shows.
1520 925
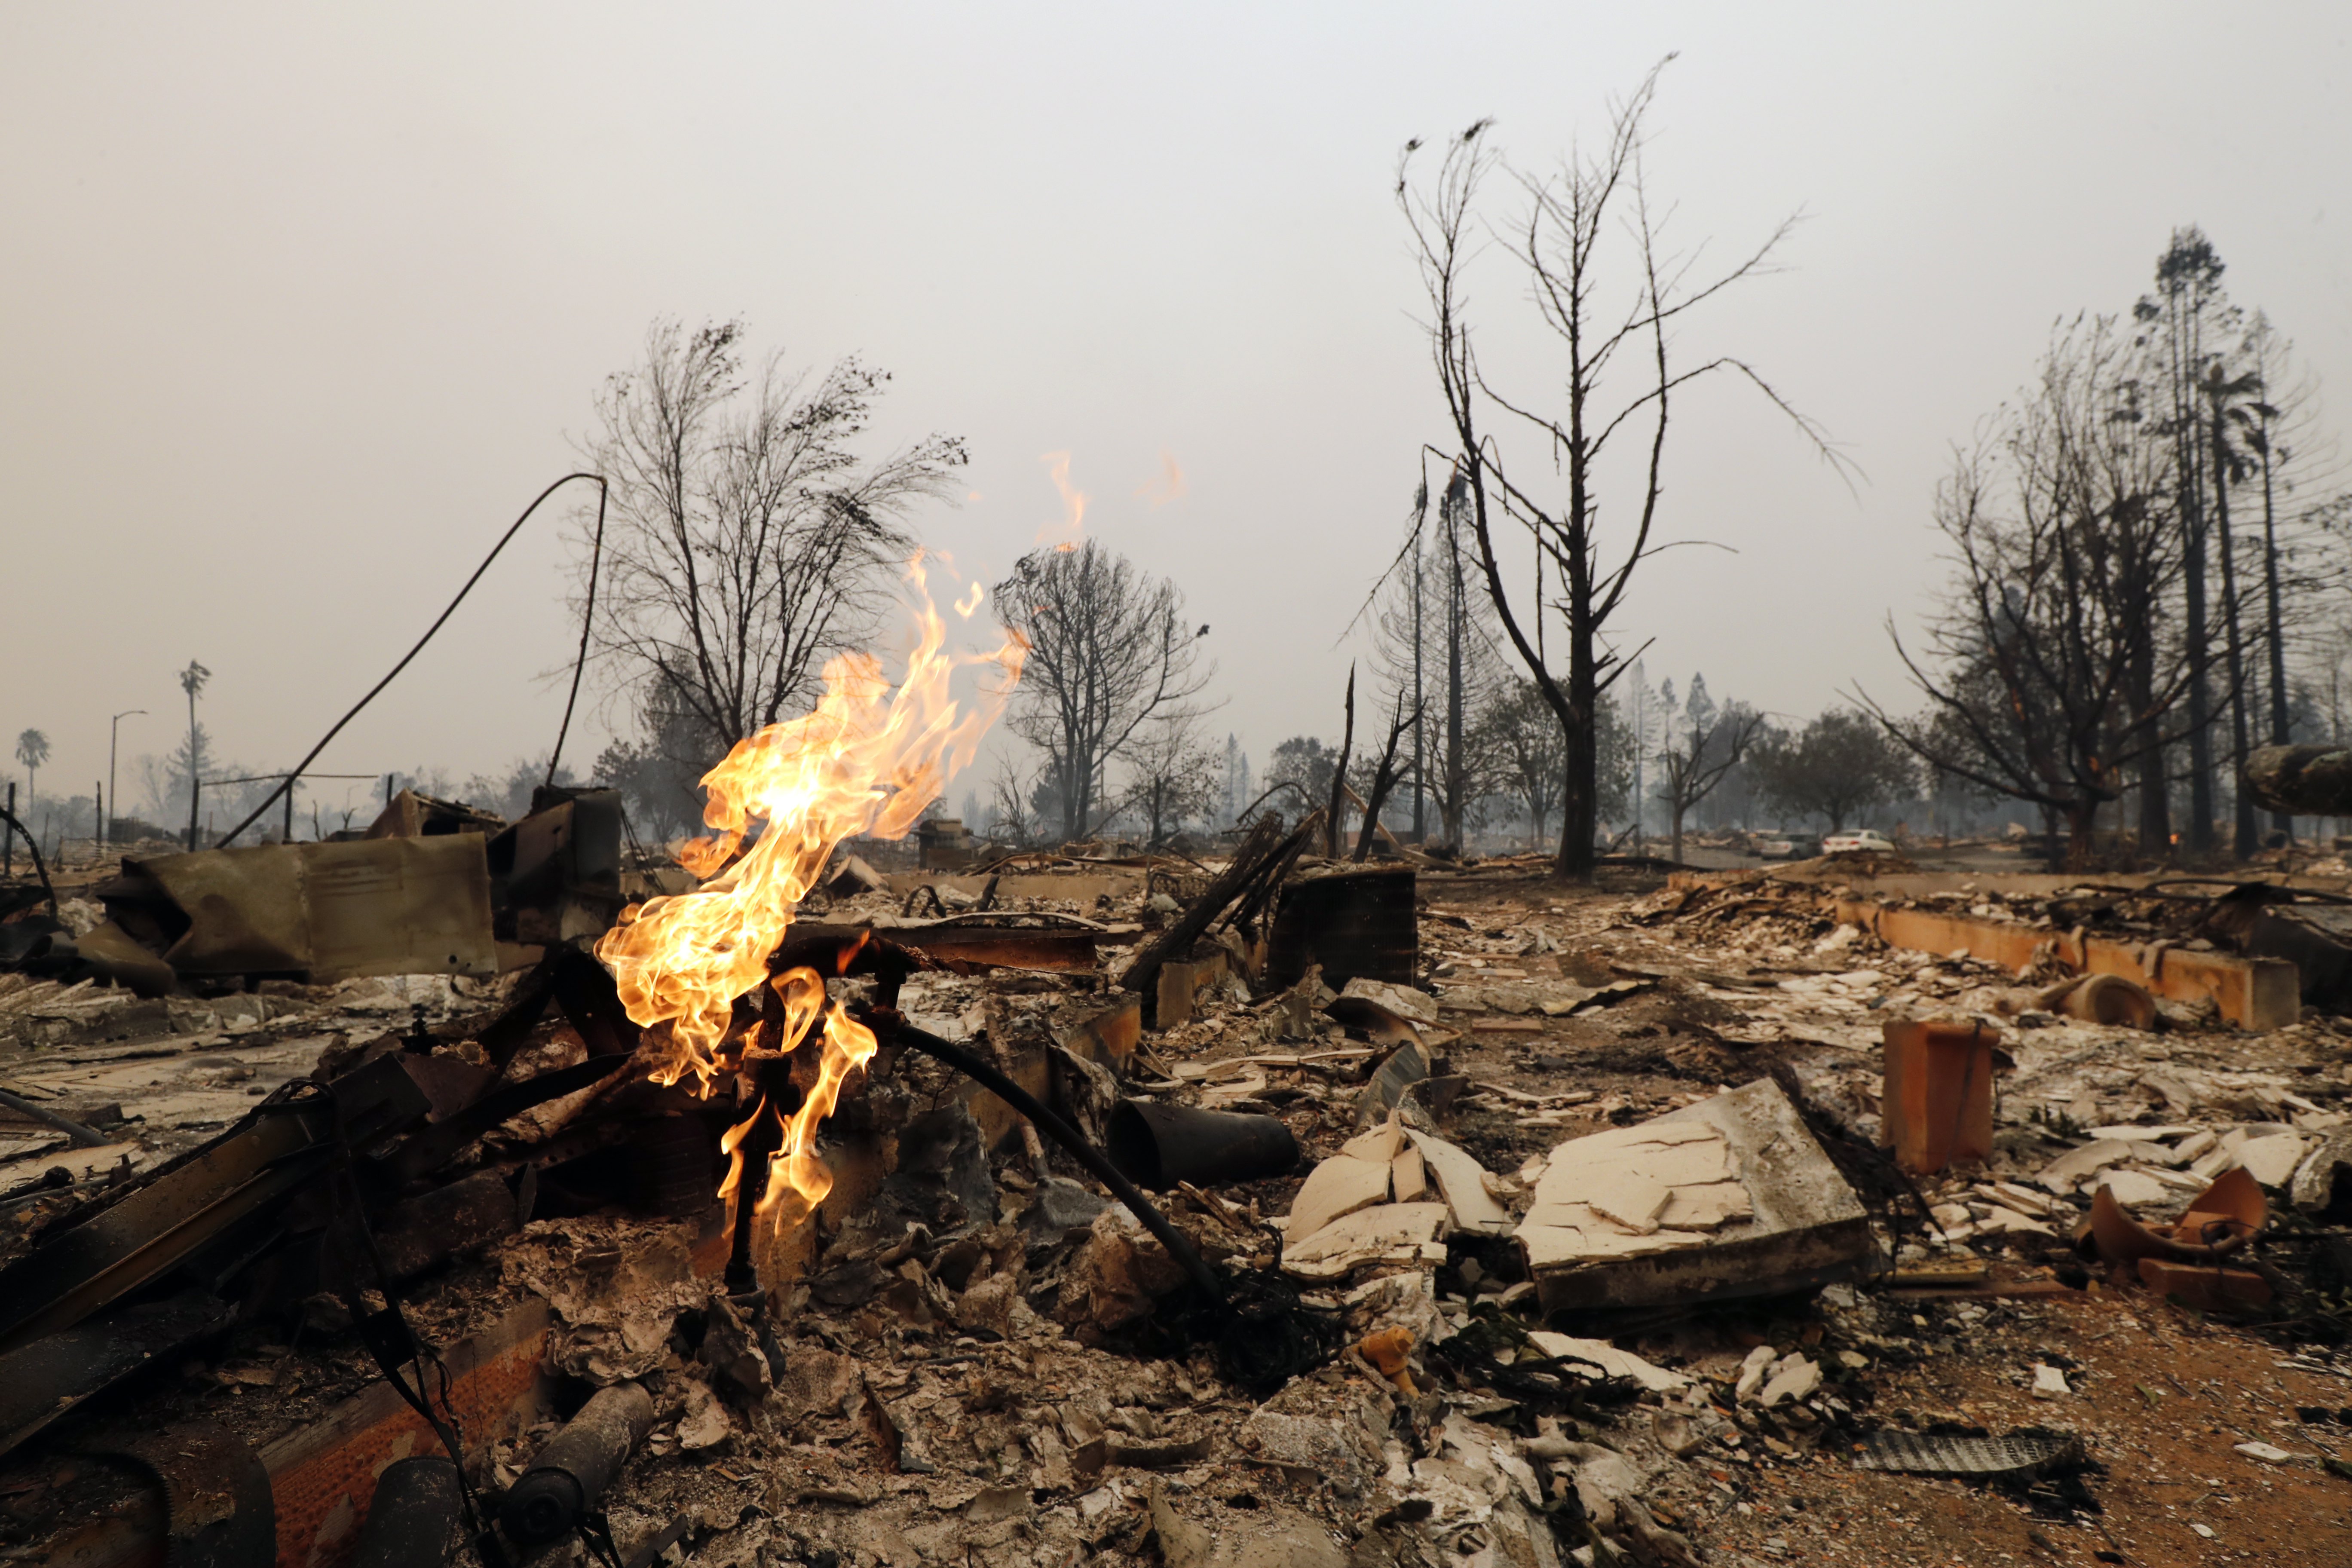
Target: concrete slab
1340 1186
1756 1209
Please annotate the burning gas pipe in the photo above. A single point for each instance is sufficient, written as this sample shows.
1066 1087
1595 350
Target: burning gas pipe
865 760
1262 1332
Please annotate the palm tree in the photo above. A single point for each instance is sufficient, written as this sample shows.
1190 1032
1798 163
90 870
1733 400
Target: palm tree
192 681
32 750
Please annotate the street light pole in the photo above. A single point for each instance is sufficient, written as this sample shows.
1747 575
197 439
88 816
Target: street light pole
113 731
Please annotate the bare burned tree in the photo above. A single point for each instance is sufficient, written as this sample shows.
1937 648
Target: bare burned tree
2064 543
1335 812
1714 740
1385 775
1109 652
1620 376
749 540
1173 776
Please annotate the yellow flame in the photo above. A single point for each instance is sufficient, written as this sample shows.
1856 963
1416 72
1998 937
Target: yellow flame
797 1179
1074 504
864 763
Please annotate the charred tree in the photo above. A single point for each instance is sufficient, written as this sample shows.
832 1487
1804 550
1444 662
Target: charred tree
1565 245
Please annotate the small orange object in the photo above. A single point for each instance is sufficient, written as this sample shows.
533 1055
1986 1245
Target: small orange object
2208 1288
1387 1350
2219 1220
1936 1108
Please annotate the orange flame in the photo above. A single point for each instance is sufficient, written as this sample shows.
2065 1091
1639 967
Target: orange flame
1168 487
797 1179
868 760
1074 504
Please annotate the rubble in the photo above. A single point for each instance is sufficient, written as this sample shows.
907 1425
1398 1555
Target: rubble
1628 1279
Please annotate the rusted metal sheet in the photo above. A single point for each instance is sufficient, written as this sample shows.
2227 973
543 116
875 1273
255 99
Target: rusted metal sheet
1081 889
1111 1036
325 911
2256 993
218 1511
409 815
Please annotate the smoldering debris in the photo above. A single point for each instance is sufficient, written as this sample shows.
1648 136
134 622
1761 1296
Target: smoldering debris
1557 1228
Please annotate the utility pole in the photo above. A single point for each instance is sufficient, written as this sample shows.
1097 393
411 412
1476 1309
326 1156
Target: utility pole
113 734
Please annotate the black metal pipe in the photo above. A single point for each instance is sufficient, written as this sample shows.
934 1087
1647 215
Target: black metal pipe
578 1463
413 1520
87 1137
1161 1146
1047 1121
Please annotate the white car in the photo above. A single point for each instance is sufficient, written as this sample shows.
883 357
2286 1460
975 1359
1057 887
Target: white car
1785 844
1860 839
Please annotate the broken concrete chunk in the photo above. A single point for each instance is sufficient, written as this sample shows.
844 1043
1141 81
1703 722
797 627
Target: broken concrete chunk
1061 1207
854 877
1118 1273
1391 1232
1753 1371
2133 1188
2271 1160
1793 1378
1413 1007
1463 1181
706 1423
1340 1186
2070 1170
2269 1453
1381 1143
1408 1176
1634 1203
1755 1207
2329 1166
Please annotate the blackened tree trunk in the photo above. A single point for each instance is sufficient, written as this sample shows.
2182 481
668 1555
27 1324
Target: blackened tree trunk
2243 838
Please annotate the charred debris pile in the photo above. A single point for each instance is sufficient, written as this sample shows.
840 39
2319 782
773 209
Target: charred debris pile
1250 1208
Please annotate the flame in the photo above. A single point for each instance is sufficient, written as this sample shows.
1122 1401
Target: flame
1074 504
1168 487
797 1179
868 760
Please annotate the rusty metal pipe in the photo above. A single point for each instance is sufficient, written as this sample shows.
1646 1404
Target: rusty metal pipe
578 1463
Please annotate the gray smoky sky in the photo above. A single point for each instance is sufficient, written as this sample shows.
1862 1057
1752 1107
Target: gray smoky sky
299 305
